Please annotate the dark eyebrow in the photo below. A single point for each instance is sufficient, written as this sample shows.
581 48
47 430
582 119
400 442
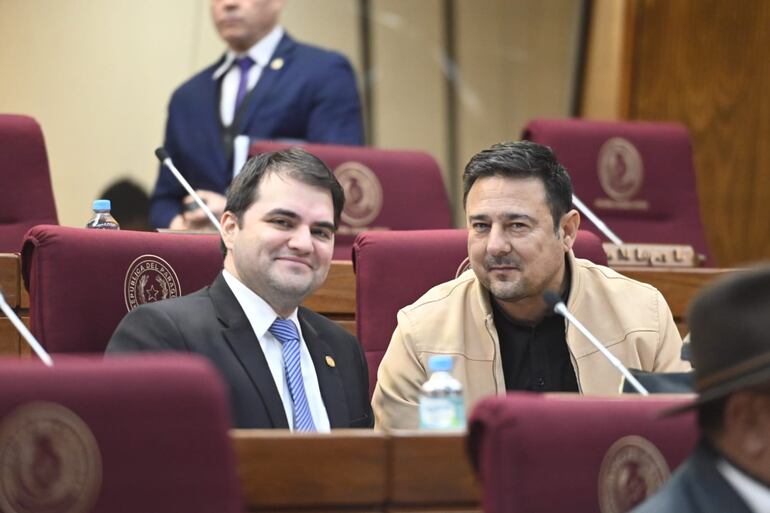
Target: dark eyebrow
520 217
507 217
326 225
282 212
293 215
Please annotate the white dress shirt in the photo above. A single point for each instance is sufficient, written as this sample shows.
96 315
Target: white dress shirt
261 316
261 54
755 494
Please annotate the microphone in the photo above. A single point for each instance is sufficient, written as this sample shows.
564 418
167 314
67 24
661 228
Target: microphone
31 341
597 222
162 155
553 300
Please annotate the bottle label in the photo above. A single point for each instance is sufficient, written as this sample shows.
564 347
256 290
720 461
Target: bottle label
103 226
442 412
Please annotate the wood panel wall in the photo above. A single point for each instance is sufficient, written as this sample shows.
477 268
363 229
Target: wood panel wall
705 63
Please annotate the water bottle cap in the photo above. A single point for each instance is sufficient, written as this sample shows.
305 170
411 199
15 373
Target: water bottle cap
102 204
440 362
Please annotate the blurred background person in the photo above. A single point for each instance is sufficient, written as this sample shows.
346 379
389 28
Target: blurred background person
265 86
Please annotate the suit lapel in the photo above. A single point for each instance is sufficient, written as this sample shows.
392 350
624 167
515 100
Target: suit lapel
212 123
715 494
240 337
267 81
329 380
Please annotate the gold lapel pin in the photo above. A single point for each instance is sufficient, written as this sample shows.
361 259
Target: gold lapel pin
277 64
330 362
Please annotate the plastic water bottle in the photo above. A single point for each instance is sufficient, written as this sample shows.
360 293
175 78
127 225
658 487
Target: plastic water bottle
441 397
102 219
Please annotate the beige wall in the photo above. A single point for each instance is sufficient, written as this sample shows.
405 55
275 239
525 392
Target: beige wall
409 97
97 75
516 63
603 91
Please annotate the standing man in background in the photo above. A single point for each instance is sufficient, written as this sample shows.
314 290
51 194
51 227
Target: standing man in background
266 86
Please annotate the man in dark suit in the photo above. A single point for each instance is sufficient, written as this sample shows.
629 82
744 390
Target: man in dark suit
266 86
730 468
285 366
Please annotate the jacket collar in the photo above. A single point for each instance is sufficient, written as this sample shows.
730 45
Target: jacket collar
716 494
329 380
267 83
240 337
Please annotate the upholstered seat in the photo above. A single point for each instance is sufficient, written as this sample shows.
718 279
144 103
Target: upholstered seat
131 434
637 177
26 196
539 453
82 282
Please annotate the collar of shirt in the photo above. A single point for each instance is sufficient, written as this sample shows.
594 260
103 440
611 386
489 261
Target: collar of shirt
259 313
260 52
754 493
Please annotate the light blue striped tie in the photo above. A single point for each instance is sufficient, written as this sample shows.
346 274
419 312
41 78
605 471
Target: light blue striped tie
286 333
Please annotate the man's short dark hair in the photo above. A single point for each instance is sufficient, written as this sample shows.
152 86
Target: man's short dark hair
523 159
295 163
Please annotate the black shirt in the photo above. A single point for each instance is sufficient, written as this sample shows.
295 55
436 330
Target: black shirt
535 358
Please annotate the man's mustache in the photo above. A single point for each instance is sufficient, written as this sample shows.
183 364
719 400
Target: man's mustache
501 262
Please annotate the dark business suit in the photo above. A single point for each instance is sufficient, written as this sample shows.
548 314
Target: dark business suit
211 322
696 487
311 97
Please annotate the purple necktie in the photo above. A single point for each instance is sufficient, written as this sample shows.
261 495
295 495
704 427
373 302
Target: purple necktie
245 64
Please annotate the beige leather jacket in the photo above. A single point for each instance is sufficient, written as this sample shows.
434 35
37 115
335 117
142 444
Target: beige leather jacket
631 318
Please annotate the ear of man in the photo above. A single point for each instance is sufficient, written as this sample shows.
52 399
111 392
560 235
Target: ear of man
229 223
568 228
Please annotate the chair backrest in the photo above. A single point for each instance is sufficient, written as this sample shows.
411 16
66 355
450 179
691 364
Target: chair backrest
83 282
637 177
393 269
142 433
540 453
384 189
26 197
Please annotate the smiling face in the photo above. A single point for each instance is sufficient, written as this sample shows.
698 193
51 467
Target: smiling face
513 247
282 247
241 23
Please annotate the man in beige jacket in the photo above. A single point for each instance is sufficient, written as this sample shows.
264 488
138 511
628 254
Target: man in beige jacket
493 320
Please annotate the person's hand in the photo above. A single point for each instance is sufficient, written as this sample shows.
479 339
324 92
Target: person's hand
177 223
193 216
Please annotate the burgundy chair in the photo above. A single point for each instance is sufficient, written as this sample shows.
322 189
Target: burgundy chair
143 433
546 453
637 177
393 269
26 197
83 282
384 189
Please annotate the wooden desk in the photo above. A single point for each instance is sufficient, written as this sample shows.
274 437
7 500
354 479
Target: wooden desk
17 298
430 472
355 471
336 299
